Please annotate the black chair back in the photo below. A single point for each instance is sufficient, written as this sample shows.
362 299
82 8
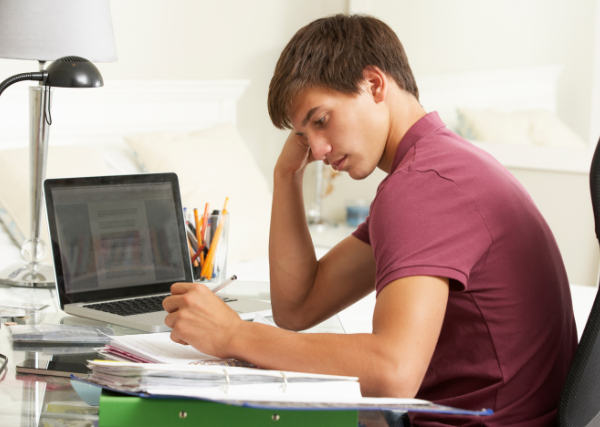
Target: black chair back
579 404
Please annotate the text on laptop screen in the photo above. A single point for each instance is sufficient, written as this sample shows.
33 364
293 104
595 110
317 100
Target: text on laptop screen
117 236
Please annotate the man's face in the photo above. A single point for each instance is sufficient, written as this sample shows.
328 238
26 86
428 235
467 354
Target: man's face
348 132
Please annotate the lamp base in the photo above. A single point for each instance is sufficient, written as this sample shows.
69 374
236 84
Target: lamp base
23 275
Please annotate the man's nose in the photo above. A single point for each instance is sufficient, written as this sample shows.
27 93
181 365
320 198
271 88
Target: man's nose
320 148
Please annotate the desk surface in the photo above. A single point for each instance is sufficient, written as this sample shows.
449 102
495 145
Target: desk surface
24 398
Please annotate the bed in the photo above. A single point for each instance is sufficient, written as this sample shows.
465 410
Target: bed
149 126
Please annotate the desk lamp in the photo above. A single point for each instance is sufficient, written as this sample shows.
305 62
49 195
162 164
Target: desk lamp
44 31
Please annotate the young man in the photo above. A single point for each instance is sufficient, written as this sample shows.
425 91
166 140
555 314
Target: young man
473 305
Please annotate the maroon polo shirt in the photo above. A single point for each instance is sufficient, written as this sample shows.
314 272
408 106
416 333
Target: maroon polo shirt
449 209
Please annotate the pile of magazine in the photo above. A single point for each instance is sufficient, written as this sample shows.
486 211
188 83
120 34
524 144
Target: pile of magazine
57 334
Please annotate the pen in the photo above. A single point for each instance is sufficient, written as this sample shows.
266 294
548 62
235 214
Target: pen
225 283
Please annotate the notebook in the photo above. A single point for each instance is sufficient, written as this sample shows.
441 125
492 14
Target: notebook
118 244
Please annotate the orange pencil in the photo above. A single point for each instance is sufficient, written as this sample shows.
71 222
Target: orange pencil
208 262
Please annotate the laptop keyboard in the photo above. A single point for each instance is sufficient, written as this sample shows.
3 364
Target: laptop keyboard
131 307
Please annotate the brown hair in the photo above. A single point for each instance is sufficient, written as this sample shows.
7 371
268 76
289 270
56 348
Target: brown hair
332 52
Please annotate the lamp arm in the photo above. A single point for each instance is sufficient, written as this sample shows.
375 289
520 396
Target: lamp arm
39 76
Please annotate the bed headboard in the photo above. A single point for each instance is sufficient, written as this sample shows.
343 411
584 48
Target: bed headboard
104 115
509 89
503 89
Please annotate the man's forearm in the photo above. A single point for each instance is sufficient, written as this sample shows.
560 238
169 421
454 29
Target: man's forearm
292 259
362 355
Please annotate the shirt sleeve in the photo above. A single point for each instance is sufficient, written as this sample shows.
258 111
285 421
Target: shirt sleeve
362 232
423 224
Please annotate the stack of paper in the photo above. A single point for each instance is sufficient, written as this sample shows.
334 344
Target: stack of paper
219 382
256 388
171 369
158 348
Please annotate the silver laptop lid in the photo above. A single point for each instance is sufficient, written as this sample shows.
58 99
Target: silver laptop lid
116 236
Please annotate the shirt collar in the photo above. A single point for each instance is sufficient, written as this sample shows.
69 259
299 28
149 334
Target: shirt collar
427 124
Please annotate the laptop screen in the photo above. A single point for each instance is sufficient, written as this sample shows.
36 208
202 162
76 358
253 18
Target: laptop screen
115 237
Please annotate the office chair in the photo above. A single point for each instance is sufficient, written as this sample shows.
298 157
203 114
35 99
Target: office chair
579 404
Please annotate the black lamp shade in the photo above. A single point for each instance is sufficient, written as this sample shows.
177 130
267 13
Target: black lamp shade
73 71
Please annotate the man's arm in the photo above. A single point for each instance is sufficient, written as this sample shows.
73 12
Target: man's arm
304 291
391 361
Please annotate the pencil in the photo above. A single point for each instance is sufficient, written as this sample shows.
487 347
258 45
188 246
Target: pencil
208 261
195 263
225 283
204 222
198 233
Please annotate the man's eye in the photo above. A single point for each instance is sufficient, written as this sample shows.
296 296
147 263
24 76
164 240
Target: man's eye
303 137
321 121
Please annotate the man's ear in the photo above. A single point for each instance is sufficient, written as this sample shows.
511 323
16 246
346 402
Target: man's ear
376 83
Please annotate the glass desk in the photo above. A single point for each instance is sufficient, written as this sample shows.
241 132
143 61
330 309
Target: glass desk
28 400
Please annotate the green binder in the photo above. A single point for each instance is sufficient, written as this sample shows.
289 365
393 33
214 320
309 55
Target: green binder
118 410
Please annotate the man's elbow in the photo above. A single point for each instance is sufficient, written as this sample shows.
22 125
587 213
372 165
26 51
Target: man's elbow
389 383
291 320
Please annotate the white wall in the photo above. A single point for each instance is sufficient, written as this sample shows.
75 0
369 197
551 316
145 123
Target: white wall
442 36
199 39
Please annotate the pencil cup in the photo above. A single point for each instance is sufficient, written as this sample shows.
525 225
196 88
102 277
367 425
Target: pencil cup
210 265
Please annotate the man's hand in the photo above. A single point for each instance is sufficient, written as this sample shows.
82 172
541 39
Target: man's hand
295 155
200 318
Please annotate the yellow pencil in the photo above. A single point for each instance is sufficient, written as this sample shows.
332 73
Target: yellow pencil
208 262
198 232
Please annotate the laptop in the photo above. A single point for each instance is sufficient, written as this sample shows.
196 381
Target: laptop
118 244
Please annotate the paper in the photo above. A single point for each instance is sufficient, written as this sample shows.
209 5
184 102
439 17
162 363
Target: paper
257 388
262 320
160 349
212 382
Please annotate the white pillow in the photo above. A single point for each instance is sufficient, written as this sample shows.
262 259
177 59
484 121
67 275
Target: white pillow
527 127
211 165
493 126
63 162
549 131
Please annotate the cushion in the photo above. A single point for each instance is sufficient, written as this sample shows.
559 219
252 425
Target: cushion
549 131
526 127
211 165
493 126
15 190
